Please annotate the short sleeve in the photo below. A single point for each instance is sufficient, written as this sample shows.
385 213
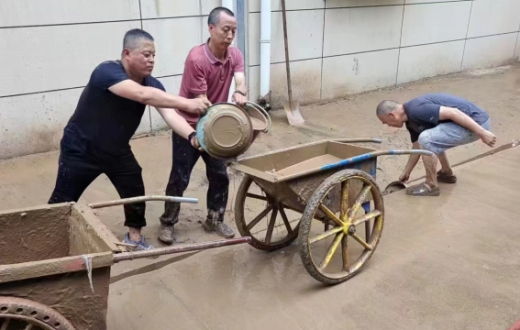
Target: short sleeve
239 61
414 135
108 74
425 112
153 82
194 78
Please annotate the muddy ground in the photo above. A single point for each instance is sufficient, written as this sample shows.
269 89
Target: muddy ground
442 263
28 181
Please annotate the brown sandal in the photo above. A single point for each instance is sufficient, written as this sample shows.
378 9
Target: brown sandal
423 190
441 177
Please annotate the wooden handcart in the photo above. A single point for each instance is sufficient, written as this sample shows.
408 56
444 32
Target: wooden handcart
55 263
325 194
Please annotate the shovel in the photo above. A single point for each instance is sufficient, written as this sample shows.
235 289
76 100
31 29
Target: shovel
292 109
393 187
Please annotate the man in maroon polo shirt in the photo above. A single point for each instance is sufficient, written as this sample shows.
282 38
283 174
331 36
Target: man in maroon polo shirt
208 73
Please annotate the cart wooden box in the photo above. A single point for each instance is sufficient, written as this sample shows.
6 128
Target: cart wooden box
329 184
42 251
55 264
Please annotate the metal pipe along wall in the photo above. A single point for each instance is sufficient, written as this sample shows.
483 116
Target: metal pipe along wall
265 47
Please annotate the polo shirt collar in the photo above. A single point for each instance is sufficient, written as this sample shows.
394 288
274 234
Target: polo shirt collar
212 57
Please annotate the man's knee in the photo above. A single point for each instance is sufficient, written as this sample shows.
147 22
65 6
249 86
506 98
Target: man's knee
219 172
180 178
425 140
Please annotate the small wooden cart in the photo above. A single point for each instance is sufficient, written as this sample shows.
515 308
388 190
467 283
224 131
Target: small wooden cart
331 187
55 263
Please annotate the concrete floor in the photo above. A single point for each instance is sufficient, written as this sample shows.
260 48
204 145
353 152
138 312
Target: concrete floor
450 262
441 264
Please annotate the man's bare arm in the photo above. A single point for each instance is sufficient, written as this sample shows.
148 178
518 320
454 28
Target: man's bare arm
410 165
202 96
459 117
240 82
178 124
157 98
240 86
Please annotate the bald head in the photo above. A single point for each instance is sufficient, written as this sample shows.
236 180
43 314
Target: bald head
391 113
386 107
134 39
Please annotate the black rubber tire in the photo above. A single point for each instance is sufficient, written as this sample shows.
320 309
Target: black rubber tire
308 215
242 226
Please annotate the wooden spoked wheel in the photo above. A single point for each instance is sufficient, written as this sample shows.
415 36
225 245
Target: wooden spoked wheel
270 225
351 235
23 314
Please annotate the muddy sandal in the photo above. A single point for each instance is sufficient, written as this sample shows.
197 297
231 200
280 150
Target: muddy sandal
423 190
441 177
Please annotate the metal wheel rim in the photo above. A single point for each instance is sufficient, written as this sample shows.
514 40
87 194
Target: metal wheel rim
31 322
373 241
36 315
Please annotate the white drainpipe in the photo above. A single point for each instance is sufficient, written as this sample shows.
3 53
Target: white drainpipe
229 5
265 47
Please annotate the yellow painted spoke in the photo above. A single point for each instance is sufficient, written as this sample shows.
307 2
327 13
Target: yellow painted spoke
325 235
344 200
361 241
331 215
344 250
366 217
359 201
330 253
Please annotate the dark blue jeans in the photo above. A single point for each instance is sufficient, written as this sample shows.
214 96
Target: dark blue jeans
184 158
80 164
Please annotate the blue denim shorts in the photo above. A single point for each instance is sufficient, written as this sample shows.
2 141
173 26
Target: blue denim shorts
448 135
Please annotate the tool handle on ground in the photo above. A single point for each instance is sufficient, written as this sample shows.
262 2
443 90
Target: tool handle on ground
358 140
400 152
179 249
408 152
141 199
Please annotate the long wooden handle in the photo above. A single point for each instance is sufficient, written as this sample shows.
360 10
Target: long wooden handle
287 62
141 199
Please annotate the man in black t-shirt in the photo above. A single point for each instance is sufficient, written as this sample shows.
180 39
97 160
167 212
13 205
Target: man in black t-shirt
436 122
96 139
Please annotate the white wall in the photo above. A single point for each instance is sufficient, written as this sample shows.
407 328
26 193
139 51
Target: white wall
341 47
50 47
337 47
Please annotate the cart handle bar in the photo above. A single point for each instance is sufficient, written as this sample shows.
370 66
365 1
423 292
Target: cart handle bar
179 249
141 199
375 154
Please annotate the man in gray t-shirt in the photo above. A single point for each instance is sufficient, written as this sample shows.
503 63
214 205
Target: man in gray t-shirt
436 122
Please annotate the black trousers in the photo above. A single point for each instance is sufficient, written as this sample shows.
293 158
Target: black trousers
184 158
80 165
